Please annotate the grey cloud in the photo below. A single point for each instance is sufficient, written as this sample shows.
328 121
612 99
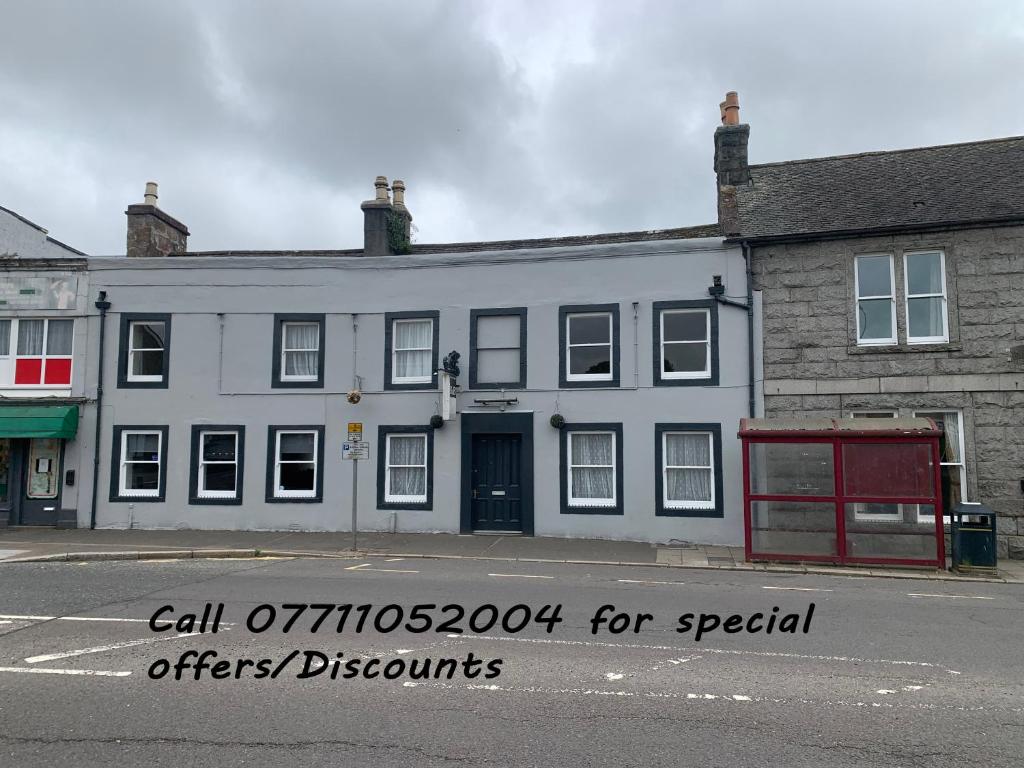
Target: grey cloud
265 123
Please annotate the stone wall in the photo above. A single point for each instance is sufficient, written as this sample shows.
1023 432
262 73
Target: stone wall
813 366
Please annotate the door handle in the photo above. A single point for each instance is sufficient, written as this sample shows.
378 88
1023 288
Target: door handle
474 493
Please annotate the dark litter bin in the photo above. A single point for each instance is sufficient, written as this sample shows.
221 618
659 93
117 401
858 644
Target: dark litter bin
973 535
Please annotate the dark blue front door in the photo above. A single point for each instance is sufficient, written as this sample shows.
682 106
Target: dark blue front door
497 499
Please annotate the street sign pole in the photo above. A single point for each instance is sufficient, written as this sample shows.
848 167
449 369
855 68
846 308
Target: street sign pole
355 495
354 450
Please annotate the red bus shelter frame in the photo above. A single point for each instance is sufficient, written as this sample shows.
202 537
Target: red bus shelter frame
837 438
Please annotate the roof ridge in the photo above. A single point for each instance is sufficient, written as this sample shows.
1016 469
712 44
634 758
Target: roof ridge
880 152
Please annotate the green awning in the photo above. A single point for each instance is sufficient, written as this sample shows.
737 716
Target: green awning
39 421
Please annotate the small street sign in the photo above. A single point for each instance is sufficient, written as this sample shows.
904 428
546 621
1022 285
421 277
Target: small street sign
355 431
355 450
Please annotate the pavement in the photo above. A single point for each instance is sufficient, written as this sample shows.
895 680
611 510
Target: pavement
26 544
889 673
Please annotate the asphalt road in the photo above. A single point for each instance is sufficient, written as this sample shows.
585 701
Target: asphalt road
891 672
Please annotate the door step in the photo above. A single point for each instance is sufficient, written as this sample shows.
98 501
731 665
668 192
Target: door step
497 533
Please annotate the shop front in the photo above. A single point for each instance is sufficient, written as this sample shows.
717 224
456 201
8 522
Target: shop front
32 446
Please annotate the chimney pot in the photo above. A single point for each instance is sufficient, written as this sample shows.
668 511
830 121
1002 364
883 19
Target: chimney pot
731 109
150 197
381 187
398 188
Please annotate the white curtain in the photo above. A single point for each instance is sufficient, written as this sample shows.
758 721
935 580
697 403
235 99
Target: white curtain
58 337
412 343
30 337
590 481
304 339
407 450
689 451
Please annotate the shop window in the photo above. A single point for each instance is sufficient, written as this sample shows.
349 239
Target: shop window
42 352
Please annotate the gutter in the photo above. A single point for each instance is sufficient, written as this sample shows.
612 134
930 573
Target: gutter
102 305
844 234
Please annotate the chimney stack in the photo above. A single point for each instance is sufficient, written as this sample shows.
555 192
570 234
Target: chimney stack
151 232
731 166
387 225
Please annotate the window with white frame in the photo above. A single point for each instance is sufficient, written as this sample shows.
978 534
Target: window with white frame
300 351
688 471
591 468
876 512
296 455
405 468
876 299
217 476
925 285
142 456
146 350
41 352
951 461
686 343
588 346
412 350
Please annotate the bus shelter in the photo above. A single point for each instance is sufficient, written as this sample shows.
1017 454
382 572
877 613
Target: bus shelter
864 491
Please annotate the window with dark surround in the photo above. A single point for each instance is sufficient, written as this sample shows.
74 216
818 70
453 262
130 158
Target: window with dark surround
410 349
145 351
299 344
497 348
588 345
590 469
688 470
217 464
138 463
405 467
295 461
685 343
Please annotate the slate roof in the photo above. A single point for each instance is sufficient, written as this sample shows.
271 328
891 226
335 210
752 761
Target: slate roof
678 233
980 181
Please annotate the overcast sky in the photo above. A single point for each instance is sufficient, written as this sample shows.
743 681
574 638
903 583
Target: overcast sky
265 122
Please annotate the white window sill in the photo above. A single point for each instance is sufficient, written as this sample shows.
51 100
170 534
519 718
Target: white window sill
592 504
405 499
685 376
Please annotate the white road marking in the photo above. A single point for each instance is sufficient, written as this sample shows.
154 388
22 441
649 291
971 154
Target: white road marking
68 618
45 671
644 581
403 651
357 567
767 654
102 648
6 622
519 576
387 570
726 698
960 597
884 691
800 589
614 675
394 560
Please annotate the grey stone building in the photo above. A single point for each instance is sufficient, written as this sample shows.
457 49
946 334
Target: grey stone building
893 284
601 382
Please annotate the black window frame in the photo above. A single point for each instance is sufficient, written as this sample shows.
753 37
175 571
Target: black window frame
127 318
389 323
660 306
476 314
383 431
276 382
715 428
272 431
193 473
115 463
563 468
563 363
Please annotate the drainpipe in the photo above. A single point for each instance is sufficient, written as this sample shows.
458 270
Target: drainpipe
102 305
717 292
748 260
636 345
